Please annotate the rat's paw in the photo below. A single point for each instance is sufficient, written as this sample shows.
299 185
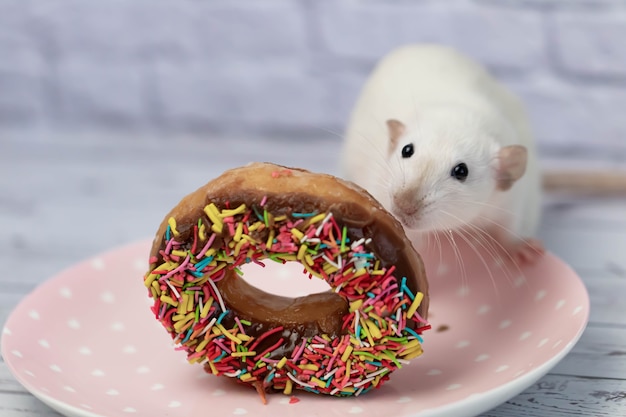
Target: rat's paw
526 251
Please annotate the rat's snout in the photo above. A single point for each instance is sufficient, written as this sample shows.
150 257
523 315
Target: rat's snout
407 201
407 207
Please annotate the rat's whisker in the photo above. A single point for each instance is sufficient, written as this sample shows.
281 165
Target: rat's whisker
463 234
487 237
436 241
466 235
333 132
449 234
499 250
484 204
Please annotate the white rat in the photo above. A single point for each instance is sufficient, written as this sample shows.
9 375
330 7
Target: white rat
444 146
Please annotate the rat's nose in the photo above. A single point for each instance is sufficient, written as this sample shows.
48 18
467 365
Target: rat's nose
407 203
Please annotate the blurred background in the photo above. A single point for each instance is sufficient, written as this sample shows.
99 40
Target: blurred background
291 69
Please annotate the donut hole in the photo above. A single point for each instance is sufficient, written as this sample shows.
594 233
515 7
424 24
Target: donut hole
313 308
287 280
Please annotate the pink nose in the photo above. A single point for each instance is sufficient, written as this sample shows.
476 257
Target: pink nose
406 202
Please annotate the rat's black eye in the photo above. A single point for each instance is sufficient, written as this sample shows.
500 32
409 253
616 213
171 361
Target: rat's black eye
407 151
460 172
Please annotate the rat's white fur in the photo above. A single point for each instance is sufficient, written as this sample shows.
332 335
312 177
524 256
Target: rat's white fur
454 111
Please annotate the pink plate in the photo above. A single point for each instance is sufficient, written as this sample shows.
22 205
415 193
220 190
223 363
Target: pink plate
86 344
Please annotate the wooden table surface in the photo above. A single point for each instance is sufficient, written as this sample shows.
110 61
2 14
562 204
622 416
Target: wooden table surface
51 184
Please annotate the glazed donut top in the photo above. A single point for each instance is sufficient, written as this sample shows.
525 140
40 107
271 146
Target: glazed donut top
293 190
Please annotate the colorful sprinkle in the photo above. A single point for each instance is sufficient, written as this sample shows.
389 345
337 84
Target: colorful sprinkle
381 330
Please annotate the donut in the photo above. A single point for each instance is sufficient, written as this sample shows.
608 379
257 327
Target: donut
343 342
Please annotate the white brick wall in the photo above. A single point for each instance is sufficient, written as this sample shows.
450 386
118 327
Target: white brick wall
588 44
369 30
228 97
293 68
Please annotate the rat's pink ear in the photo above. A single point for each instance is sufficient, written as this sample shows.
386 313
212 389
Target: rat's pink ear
396 129
511 166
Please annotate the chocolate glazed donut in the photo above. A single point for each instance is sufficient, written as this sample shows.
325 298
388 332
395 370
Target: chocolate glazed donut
343 342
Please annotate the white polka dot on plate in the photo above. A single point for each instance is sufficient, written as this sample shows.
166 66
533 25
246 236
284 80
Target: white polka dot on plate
525 335
130 349
240 411
17 353
462 344
519 281
44 343
505 323
143 370
442 269
86 406
34 314
452 387
65 292
107 297
6 331
502 368
84 351
540 295
97 372
577 310
481 358
403 400
463 291
118 326
29 373
174 404
355 410
219 392
434 372
55 368
559 304
557 343
69 389
97 263
113 392
157 387
129 410
73 324
542 342
483 309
